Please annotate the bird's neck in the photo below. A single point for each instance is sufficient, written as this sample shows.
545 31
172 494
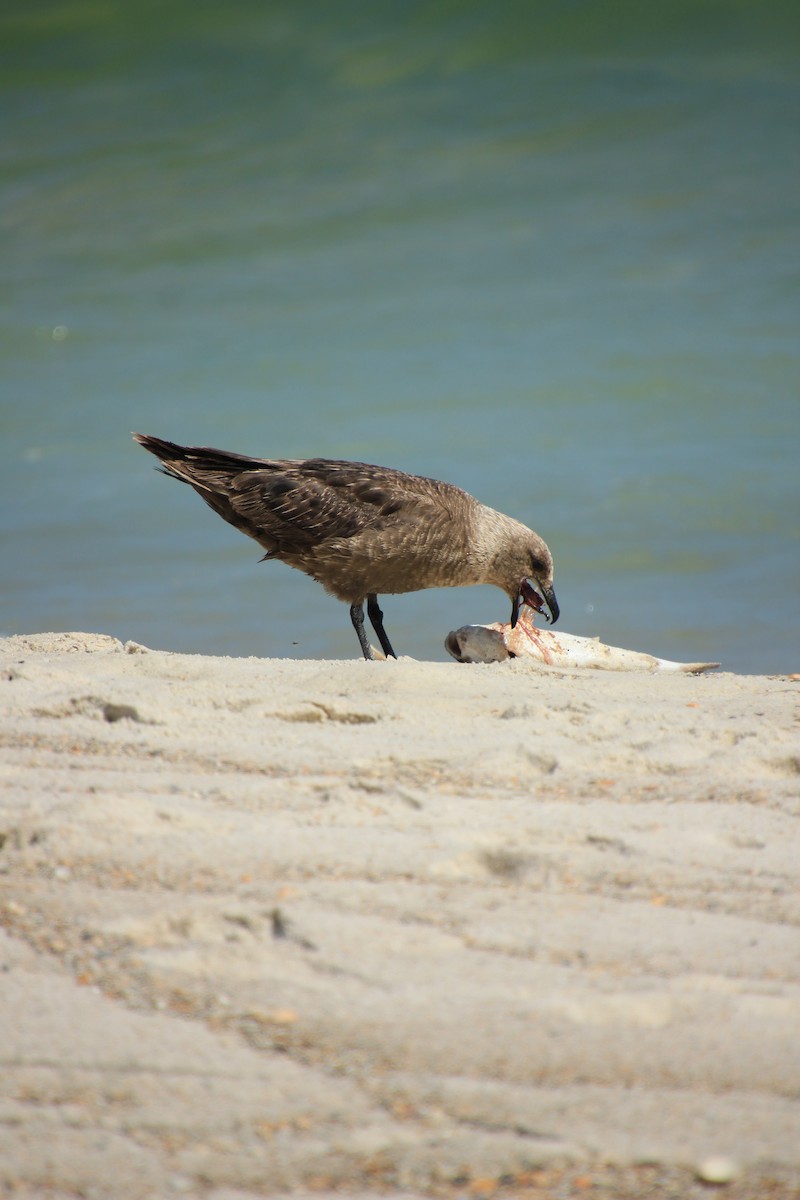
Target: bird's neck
497 544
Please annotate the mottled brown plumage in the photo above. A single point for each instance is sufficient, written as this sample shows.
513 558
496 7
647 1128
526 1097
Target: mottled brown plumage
361 530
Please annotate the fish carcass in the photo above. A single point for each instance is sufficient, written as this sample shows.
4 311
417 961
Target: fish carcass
496 642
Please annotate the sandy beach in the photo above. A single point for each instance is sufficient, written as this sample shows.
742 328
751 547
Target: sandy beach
395 928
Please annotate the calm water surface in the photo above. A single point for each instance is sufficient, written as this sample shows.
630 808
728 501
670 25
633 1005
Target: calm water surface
546 252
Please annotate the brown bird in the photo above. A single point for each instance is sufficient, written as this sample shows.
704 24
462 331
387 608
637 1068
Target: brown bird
361 530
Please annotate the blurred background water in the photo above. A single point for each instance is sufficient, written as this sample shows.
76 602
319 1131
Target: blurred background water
545 249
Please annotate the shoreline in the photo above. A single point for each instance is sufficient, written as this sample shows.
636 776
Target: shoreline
302 924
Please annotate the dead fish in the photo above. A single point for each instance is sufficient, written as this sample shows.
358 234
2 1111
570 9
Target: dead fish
497 642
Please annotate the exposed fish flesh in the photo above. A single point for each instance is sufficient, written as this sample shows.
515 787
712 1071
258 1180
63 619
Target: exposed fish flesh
494 643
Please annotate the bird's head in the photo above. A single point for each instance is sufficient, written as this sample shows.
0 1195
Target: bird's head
529 579
518 561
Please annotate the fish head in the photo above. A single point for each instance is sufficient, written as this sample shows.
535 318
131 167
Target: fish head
477 643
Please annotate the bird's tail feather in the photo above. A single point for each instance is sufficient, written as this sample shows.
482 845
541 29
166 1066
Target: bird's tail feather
203 457
208 471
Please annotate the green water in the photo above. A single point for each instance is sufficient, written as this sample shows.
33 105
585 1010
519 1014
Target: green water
547 251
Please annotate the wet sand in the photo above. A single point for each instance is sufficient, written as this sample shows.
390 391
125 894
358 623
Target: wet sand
406 928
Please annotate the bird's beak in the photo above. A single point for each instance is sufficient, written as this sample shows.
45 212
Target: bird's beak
528 595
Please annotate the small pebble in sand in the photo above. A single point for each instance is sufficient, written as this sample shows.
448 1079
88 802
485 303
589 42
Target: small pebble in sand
717 1168
120 712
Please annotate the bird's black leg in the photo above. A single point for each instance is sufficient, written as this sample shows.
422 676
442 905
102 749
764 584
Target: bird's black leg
376 617
357 617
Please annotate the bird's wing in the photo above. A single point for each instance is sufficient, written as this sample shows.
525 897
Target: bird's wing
291 506
290 510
